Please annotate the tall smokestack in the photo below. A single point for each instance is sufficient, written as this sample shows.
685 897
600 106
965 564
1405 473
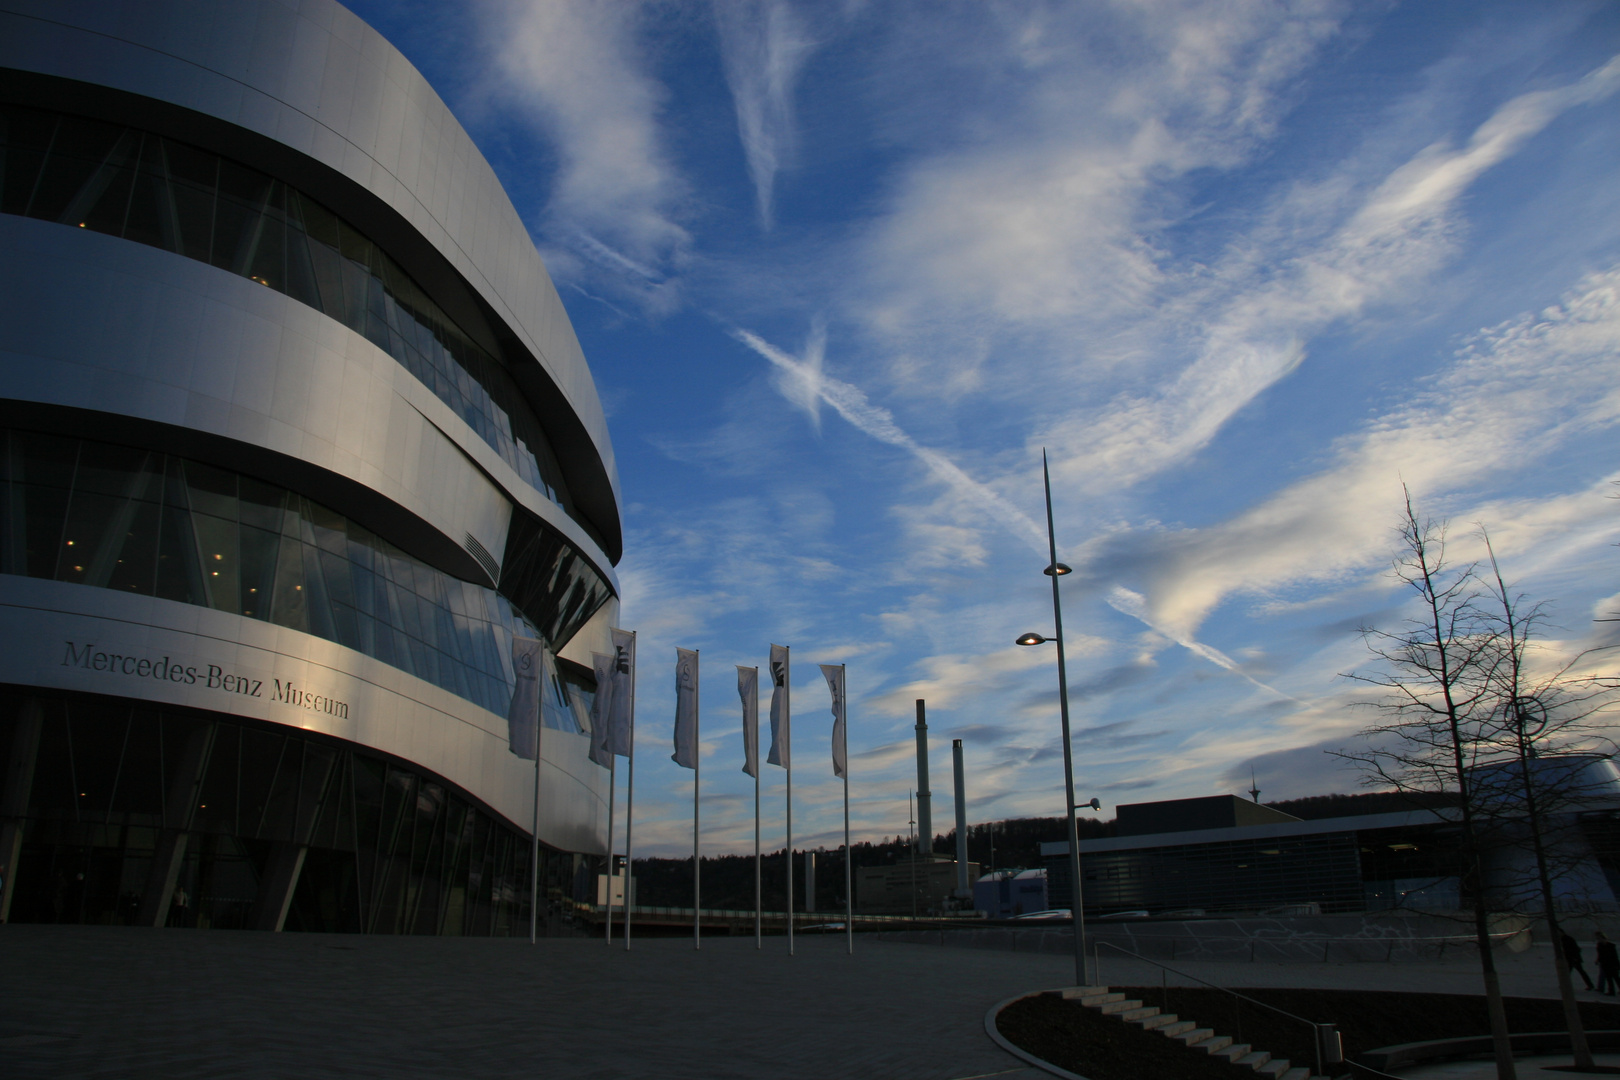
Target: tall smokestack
963 892
925 802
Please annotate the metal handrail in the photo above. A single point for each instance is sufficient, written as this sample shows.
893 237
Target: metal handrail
1316 1028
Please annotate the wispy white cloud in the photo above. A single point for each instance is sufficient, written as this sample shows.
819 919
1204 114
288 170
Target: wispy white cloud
764 45
1033 230
1401 231
1515 395
1070 225
578 69
948 681
1135 605
808 384
1513 398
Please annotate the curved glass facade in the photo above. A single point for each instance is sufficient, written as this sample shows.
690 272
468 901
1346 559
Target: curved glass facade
382 847
195 203
137 521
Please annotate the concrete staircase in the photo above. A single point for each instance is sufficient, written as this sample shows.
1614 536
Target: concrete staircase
1149 1018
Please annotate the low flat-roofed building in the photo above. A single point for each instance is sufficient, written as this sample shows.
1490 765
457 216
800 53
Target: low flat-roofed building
1182 855
908 887
1187 815
1006 894
1254 867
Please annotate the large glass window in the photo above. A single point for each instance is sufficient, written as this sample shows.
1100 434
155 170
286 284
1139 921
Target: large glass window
157 191
387 848
137 521
1235 875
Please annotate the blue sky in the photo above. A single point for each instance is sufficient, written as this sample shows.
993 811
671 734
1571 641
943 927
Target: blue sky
842 270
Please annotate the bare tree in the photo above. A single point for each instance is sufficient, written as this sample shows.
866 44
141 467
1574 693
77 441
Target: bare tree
1437 672
1542 724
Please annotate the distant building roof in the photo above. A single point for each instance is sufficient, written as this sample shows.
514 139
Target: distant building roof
1186 815
1290 828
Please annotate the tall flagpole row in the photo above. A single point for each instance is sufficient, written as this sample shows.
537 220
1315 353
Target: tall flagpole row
697 765
534 852
787 725
530 663
629 808
789 856
759 906
613 761
630 802
849 870
688 752
748 693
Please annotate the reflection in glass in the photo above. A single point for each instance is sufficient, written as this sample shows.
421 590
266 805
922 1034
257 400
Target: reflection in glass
112 517
387 849
166 194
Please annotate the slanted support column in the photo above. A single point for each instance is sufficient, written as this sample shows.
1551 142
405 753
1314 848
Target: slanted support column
287 857
179 809
14 796
276 888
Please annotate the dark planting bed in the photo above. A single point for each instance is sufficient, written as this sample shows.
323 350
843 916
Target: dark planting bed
1103 1048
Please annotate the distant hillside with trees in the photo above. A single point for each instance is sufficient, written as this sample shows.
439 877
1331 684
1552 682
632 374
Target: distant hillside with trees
1372 802
728 880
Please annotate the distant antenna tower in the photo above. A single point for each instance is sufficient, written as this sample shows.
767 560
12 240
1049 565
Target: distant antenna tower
1254 788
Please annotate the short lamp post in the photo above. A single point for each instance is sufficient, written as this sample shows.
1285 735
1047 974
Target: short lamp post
1055 570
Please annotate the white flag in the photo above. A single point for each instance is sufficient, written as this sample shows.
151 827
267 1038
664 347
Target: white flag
834 674
779 754
686 709
601 708
748 690
523 718
621 717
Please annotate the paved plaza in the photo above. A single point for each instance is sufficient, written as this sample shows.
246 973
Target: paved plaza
118 1002
1523 974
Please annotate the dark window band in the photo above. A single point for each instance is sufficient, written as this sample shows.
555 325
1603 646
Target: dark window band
168 194
387 848
156 524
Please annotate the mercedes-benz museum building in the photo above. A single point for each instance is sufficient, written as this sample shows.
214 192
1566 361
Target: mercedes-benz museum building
295 435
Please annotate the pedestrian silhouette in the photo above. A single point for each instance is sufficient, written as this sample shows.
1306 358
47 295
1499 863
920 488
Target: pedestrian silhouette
1572 954
1608 960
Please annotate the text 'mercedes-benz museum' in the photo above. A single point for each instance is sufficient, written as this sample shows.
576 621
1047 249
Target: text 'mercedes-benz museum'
295 437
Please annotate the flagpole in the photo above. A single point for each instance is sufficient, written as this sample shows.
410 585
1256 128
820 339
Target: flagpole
630 802
534 852
849 872
787 717
759 907
697 763
613 762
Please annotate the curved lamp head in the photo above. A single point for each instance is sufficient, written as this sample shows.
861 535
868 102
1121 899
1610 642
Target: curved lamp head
1530 714
1031 639
1057 569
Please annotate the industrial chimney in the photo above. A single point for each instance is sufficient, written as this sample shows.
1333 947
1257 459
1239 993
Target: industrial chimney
963 890
925 808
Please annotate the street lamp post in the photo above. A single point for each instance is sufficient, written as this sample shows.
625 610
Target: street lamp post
1055 570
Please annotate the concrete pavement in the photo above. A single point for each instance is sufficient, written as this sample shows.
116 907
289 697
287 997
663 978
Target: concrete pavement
120 1002
1523 974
